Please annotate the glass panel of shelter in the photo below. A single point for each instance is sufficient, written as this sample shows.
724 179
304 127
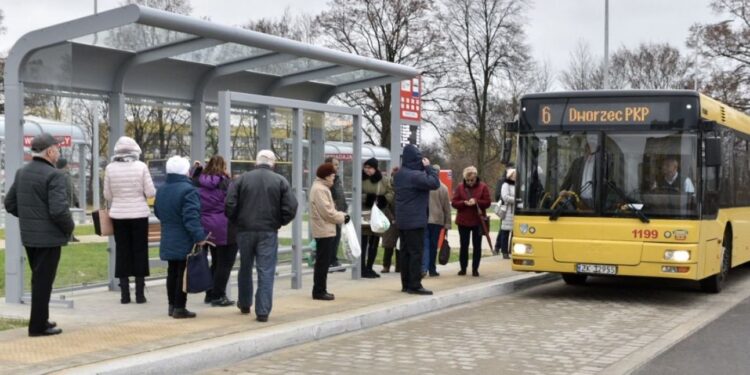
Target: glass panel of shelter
298 65
222 54
133 37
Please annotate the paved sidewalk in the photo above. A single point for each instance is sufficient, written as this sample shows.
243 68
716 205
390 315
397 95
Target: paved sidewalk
100 330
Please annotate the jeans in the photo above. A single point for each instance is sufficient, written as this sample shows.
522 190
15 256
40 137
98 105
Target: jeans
175 274
475 234
43 262
323 255
431 237
261 249
222 262
412 248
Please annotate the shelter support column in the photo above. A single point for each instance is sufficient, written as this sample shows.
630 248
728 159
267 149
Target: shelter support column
225 118
299 192
356 206
95 157
395 125
264 128
82 165
14 258
198 132
116 130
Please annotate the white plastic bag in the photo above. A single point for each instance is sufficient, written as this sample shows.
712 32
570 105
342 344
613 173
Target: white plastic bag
500 209
379 223
351 241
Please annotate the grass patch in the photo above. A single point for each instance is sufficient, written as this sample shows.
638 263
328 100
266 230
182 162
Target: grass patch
6 323
81 230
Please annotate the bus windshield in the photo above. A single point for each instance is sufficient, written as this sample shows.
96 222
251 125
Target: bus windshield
598 173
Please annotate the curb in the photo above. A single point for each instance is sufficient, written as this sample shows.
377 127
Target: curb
206 354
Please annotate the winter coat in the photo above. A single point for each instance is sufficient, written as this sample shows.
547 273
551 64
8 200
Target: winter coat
178 207
323 213
337 192
127 185
412 185
260 201
39 199
440 207
376 189
509 197
467 216
213 193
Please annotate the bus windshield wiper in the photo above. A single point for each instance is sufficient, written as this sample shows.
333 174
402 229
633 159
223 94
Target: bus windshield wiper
628 201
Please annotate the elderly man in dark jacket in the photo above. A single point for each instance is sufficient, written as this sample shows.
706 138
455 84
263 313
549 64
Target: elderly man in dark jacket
259 203
39 198
178 207
412 185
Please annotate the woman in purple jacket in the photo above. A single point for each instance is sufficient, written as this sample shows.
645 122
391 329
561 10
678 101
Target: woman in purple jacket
213 182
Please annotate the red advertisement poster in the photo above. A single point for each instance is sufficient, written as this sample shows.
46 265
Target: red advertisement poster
411 99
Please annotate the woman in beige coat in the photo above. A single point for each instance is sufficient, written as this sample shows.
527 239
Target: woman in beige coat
127 185
323 219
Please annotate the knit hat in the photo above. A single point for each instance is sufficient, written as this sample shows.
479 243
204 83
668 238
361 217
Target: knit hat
178 165
372 162
325 170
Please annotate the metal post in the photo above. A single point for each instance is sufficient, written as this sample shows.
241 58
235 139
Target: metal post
198 137
395 125
95 157
606 45
116 130
14 259
356 206
82 165
225 118
299 192
264 128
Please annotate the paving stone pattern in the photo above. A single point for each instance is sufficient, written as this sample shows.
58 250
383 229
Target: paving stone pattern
551 329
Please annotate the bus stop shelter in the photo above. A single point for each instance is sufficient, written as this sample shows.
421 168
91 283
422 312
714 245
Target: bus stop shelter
138 52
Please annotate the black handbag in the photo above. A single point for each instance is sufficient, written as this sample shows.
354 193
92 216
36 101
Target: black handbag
197 276
444 252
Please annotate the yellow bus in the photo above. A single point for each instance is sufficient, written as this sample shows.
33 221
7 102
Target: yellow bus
632 183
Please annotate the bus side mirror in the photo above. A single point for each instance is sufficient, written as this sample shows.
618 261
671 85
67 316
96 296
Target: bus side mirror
712 152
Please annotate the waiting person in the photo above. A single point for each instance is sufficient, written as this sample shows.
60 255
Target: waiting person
178 207
259 202
127 185
471 198
670 179
508 195
438 219
337 192
38 198
324 217
412 185
390 238
213 183
499 199
376 190
62 164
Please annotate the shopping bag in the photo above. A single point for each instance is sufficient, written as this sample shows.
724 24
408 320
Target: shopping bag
351 241
500 209
102 222
444 249
379 223
197 277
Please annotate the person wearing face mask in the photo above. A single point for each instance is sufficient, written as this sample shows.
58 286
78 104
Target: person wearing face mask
470 198
580 176
324 217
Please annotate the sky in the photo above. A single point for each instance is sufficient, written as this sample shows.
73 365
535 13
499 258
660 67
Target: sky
555 27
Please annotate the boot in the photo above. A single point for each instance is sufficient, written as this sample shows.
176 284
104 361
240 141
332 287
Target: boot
140 284
124 290
182 313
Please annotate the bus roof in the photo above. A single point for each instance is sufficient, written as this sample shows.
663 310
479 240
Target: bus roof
609 93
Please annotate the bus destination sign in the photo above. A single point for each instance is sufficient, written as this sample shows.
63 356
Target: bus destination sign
603 113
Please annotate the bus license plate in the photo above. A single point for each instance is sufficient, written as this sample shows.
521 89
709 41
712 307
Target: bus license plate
600 269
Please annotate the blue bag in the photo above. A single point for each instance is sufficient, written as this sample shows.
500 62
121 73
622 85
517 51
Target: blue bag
198 276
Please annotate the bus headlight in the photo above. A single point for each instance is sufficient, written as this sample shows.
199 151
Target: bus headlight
522 249
677 255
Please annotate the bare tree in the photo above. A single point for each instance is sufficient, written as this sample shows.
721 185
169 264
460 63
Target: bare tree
401 31
584 70
725 49
486 39
652 66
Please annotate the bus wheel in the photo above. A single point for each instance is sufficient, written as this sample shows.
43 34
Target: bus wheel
714 283
574 278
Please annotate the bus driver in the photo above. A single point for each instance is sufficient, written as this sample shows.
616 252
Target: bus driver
670 180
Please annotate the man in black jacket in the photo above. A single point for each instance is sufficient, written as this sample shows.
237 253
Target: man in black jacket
337 193
259 203
39 198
